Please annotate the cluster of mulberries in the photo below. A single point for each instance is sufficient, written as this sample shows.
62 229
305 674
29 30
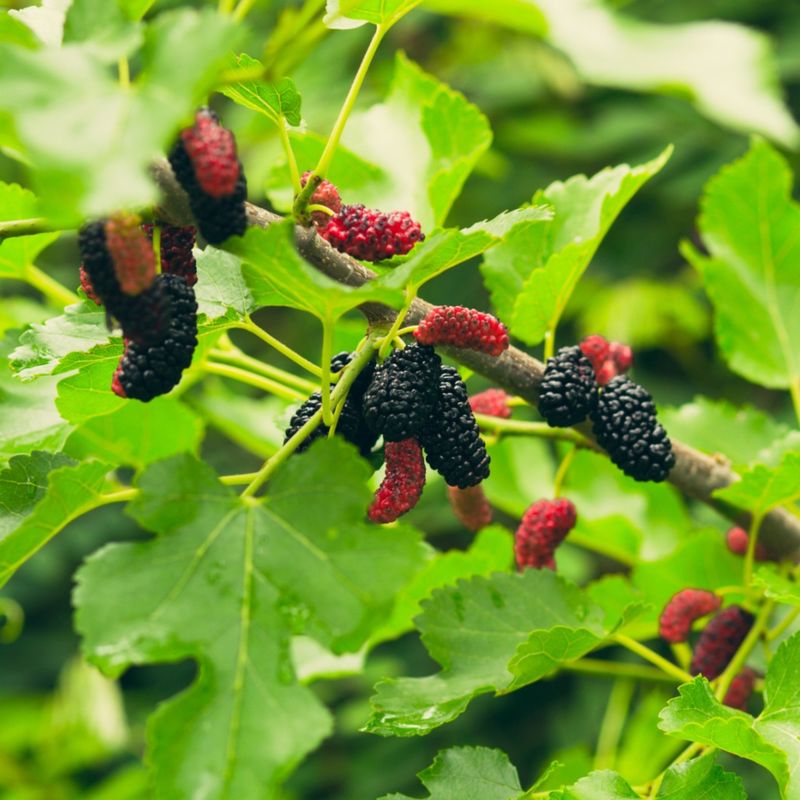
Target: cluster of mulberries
470 506
402 485
608 359
719 641
544 526
463 327
371 235
492 403
737 540
683 608
206 165
569 390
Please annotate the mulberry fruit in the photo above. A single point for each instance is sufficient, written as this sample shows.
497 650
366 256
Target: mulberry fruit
177 251
544 526
596 348
737 540
740 689
402 393
147 371
675 623
622 356
402 486
463 327
719 641
97 265
470 506
205 164
609 359
569 389
451 439
371 235
88 289
326 194
131 253
492 403
624 422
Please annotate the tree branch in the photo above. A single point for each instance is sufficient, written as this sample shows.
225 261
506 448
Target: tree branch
695 474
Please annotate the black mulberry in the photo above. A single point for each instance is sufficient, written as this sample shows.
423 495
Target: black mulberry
451 439
403 392
625 425
719 641
177 254
569 389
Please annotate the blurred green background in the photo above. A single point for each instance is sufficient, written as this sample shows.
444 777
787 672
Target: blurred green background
65 732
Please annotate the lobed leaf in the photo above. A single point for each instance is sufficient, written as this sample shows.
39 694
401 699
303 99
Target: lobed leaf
763 488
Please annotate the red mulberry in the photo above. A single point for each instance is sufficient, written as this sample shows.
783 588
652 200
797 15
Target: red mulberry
371 235
470 506
88 289
740 689
622 356
542 529
719 641
737 540
131 252
609 359
596 348
682 610
402 486
205 164
569 389
492 403
463 327
177 251
326 194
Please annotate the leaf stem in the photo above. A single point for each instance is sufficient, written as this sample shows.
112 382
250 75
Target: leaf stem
124 70
251 379
245 361
317 207
23 227
55 292
619 701
783 625
794 389
749 558
243 9
549 344
654 658
325 378
394 331
541 429
286 142
277 344
563 468
617 669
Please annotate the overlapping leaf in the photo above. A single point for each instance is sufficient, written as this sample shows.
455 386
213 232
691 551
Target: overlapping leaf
343 14
763 488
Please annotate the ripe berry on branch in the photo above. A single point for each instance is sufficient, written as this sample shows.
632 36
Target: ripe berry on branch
740 689
683 608
463 327
737 540
177 250
624 422
470 506
326 194
402 485
719 641
569 389
371 235
451 438
492 403
544 526
131 252
403 392
206 165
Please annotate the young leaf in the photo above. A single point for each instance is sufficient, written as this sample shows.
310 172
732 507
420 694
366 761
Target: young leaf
584 209
40 494
600 785
344 14
771 739
748 223
776 586
763 488
700 778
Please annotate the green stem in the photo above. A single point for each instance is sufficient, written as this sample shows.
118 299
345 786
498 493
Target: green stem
54 291
254 365
619 702
225 6
124 70
251 379
682 653
120 496
325 378
549 344
650 655
749 558
317 207
783 625
600 546
563 468
277 344
243 9
23 227
394 331
14 620
794 389
617 669
541 429
286 142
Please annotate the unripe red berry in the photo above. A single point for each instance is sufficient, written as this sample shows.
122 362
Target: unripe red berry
492 403
683 609
88 289
131 252
542 529
596 348
622 356
740 689
609 359
326 194
470 506
737 540
177 250
211 148
403 483
463 327
719 641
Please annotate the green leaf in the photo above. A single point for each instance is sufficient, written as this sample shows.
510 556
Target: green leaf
276 275
302 561
135 9
771 739
728 71
777 586
102 28
221 290
763 488
19 252
40 494
700 779
535 620
16 32
748 223
138 433
600 785
45 20
469 772
343 14
276 101
584 209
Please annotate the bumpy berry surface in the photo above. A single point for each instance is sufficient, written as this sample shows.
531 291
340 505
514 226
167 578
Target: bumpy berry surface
177 250
684 607
609 359
740 689
719 641
463 327
326 194
451 439
147 371
131 252
218 215
97 264
622 356
492 402
212 150
371 235
470 506
146 318
402 393
88 289
569 389
737 540
596 348
402 485
624 422
542 529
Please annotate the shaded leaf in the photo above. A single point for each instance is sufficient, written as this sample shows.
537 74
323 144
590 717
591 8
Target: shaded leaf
18 252
700 779
600 785
763 488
